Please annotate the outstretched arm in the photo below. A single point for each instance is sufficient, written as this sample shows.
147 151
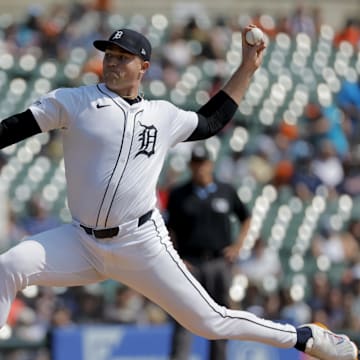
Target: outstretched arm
18 127
220 109
252 57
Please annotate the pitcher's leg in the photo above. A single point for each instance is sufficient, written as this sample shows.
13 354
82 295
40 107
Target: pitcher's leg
169 284
52 258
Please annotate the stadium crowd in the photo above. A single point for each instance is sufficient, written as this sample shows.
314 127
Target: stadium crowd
320 151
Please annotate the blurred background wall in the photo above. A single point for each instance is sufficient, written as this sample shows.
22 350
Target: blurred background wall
333 11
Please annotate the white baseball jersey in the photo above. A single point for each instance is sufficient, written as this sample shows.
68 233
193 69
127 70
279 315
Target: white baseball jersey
113 151
113 155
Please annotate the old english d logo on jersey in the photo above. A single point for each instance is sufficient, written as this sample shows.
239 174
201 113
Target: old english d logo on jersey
147 139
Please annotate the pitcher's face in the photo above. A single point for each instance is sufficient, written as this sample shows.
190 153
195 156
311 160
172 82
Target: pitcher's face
123 71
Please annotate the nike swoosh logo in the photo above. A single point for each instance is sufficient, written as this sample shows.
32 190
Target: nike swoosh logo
98 106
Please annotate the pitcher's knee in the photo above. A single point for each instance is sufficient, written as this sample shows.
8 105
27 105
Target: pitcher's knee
207 333
18 263
205 329
8 272
10 263
4 265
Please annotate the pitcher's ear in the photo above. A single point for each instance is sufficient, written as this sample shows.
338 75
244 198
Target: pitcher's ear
145 65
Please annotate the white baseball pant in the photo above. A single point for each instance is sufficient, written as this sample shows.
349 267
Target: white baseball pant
142 258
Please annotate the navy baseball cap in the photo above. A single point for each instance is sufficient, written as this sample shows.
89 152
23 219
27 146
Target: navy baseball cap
129 40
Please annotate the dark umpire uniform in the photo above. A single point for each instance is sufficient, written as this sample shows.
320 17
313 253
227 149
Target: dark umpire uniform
200 226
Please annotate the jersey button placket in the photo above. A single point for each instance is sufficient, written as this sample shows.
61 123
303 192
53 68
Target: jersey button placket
117 174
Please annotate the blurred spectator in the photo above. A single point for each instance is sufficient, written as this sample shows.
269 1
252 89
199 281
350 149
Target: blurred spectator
282 25
337 246
350 32
328 167
336 309
219 39
354 229
177 50
91 305
29 32
289 131
348 99
233 168
285 138
355 306
352 235
127 308
260 164
254 300
93 65
351 183
348 316
14 232
266 23
302 22
263 262
268 142
38 218
44 304
320 316
304 181
103 5
16 308
283 174
216 84
28 327
272 306
317 15
319 293
327 123
295 311
170 73
61 317
199 38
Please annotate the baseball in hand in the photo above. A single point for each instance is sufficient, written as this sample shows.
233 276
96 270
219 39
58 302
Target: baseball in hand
254 36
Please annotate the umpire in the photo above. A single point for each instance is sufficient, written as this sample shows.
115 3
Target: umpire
199 222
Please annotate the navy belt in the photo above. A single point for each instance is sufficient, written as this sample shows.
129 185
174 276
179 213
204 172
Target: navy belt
111 232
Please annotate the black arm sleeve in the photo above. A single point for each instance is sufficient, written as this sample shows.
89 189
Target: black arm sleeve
213 116
18 127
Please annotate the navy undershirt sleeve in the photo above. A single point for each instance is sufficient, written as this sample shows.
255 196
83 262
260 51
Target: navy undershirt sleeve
18 127
213 116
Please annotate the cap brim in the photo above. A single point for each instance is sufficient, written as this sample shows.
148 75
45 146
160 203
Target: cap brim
102 45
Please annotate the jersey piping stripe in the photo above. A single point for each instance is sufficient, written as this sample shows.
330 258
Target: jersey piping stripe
202 295
117 160
127 160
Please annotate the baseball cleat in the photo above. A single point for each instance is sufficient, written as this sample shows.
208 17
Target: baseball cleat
326 345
